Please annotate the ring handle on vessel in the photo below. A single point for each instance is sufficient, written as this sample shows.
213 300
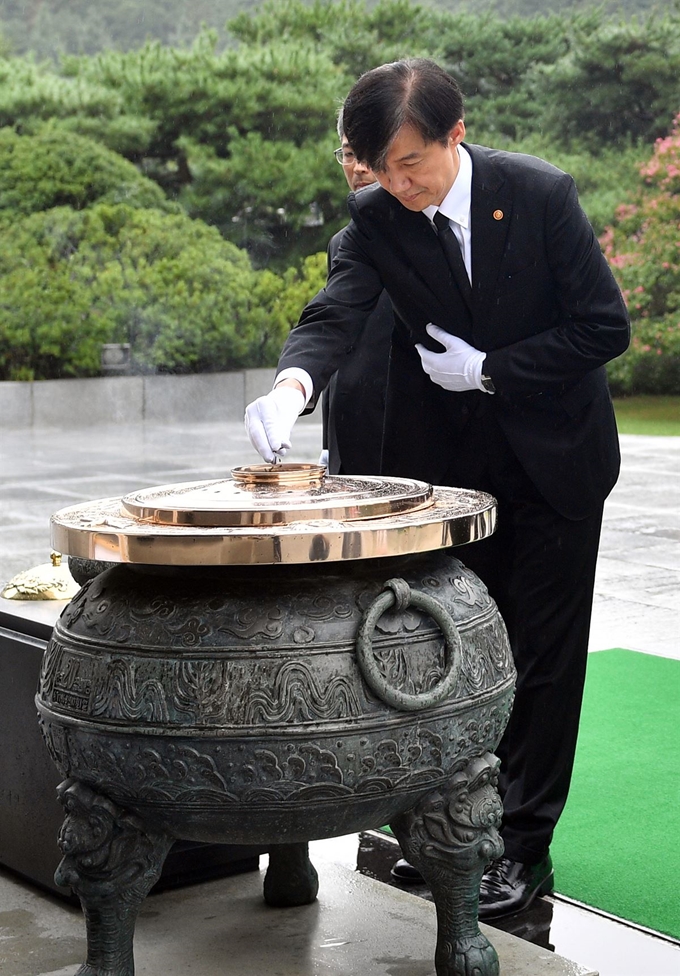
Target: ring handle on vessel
398 595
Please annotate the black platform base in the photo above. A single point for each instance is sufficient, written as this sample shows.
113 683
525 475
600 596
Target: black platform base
30 816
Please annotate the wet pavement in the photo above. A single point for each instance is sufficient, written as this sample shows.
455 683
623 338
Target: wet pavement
224 928
636 606
576 932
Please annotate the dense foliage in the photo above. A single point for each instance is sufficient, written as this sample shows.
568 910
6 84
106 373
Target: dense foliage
201 123
53 169
616 83
242 136
54 27
236 130
643 247
183 297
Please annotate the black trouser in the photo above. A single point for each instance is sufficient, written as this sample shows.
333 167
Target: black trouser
540 569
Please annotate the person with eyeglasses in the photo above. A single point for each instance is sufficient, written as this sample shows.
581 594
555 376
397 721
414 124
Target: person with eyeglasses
506 313
353 403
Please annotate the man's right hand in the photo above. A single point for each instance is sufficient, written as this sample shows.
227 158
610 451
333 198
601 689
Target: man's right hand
269 420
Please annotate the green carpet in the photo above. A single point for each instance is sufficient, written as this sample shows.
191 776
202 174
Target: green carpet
617 845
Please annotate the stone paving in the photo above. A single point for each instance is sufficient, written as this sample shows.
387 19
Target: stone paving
637 589
224 928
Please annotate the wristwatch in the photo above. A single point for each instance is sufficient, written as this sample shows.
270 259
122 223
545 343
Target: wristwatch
487 383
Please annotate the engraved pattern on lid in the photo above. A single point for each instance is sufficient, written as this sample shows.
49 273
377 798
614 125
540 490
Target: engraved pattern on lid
266 494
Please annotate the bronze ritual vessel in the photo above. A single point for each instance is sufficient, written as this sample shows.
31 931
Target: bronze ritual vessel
272 659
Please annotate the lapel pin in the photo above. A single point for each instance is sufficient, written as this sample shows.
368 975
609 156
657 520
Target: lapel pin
498 215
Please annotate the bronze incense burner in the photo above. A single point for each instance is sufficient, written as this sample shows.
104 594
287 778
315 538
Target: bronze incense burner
271 659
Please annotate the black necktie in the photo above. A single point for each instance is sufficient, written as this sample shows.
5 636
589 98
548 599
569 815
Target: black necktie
453 254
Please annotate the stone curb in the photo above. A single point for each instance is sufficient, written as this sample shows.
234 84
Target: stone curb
203 397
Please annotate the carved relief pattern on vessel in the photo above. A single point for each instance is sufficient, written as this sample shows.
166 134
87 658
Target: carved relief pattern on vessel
320 606
225 686
399 666
223 772
201 689
66 678
250 621
49 668
296 695
121 693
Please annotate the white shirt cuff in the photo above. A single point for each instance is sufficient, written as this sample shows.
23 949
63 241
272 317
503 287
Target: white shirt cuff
301 375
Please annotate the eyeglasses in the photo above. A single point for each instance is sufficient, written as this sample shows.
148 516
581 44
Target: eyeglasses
345 157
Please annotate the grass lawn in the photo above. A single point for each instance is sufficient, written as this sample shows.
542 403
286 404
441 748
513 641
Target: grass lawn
658 415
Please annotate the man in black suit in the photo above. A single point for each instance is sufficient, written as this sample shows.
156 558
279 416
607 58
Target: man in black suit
354 401
497 383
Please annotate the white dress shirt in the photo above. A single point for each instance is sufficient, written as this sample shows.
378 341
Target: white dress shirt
456 206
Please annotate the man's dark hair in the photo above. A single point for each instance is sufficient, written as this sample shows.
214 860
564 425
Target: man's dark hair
416 92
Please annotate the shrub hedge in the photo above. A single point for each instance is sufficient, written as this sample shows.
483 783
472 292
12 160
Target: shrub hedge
54 168
183 297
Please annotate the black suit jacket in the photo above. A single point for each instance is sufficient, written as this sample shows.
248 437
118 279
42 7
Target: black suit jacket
354 400
545 308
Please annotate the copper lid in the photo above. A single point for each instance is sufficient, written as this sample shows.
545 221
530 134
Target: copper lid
276 495
287 513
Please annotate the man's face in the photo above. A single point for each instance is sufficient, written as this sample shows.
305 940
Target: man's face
420 174
357 174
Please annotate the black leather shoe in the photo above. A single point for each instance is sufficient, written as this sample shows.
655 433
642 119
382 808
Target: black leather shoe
510 886
405 873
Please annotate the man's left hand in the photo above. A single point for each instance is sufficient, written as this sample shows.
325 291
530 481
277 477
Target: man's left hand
458 368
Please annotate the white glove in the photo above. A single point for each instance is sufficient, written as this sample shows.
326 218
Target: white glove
269 421
457 369
323 457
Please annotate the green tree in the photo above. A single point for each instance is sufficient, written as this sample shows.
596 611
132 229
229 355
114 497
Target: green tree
54 168
493 59
212 117
356 35
186 300
51 28
278 199
300 285
617 83
243 136
33 94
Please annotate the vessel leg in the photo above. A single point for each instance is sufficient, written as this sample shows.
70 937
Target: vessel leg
450 836
291 878
111 860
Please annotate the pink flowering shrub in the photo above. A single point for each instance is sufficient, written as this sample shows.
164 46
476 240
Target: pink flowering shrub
642 246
